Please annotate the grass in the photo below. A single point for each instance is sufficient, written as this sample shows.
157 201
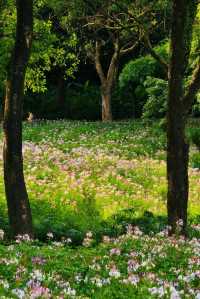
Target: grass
99 177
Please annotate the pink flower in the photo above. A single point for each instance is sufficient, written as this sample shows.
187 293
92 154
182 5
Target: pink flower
115 251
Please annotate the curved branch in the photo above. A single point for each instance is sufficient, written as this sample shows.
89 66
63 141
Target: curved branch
98 64
157 57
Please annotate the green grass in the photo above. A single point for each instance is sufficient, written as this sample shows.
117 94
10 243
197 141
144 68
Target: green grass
132 266
100 177
81 174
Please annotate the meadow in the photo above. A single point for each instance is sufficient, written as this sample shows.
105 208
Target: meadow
98 197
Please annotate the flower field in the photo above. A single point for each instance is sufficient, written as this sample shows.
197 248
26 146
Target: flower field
98 198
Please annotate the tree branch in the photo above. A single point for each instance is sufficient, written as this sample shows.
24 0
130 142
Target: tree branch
156 56
130 49
114 63
98 62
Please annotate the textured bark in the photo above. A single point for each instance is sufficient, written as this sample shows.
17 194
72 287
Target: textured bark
106 104
19 211
107 81
177 147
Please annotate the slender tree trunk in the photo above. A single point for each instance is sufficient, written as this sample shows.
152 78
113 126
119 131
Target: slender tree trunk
107 81
177 147
106 94
19 211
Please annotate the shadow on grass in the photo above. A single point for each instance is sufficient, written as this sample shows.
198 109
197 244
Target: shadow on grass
148 223
76 225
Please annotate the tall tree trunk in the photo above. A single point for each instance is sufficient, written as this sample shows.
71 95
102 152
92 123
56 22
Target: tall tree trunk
19 211
177 168
177 147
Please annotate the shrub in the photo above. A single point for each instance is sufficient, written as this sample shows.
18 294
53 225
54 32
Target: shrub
195 160
135 73
195 137
156 104
196 106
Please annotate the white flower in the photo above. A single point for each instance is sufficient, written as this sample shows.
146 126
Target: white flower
115 251
174 293
157 291
106 239
50 235
4 283
114 272
68 241
133 265
70 292
197 296
137 231
37 275
132 279
19 293
179 222
89 234
1 234
23 238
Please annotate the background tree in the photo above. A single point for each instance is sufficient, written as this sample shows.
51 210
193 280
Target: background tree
16 194
52 49
112 29
120 27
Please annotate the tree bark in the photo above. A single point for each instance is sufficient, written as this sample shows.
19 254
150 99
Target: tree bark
106 94
177 146
107 81
19 211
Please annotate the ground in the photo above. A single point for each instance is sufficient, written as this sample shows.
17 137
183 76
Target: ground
98 196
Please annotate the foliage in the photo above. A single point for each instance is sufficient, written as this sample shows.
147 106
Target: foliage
91 176
195 136
137 70
195 161
196 106
50 48
134 74
156 104
134 265
81 101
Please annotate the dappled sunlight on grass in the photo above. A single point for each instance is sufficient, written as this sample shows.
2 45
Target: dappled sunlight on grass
95 170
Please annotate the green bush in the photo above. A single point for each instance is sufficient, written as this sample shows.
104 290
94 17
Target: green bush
196 107
156 104
135 73
195 160
195 136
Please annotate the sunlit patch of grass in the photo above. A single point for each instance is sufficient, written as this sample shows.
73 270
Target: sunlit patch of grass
80 174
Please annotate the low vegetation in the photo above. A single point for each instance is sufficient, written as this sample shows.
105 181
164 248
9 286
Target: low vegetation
98 197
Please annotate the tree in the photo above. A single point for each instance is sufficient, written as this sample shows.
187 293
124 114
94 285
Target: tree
113 30
19 211
179 104
180 101
51 47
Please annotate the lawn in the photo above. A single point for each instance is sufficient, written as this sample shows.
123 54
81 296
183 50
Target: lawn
98 197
